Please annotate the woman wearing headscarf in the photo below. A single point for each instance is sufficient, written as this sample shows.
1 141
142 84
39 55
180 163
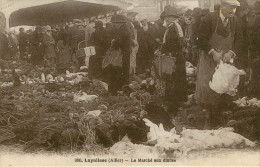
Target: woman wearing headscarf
176 84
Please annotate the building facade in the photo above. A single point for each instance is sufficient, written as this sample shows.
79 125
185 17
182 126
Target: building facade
210 3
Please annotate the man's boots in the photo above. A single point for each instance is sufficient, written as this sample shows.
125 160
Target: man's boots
215 117
207 122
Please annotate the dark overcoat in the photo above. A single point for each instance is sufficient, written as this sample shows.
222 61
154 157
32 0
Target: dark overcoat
208 26
123 41
98 39
206 65
37 48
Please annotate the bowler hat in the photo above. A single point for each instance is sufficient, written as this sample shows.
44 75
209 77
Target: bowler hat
98 24
119 19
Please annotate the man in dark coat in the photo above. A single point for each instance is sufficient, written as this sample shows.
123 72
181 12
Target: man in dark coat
37 48
147 47
98 39
76 35
219 38
122 40
23 43
176 84
254 48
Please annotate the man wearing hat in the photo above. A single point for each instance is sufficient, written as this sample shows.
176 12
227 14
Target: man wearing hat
98 39
122 40
75 34
37 46
131 16
219 39
49 46
23 43
172 46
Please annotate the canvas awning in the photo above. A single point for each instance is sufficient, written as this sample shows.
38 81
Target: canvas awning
55 13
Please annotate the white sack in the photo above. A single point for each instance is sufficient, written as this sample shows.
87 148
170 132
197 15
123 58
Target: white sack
226 79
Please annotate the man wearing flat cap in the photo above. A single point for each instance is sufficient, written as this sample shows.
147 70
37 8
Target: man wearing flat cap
219 39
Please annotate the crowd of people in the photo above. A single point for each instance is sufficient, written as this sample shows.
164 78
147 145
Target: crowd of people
199 36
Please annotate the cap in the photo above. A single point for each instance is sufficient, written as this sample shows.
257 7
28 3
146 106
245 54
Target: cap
230 2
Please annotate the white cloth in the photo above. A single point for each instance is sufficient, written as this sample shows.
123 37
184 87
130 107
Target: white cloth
226 79
89 51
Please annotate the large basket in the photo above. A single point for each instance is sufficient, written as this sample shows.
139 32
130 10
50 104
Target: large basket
80 53
165 65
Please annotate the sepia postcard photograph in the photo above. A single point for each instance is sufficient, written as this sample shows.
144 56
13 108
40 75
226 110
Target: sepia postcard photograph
129 83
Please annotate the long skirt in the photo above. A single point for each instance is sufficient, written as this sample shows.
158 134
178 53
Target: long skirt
95 67
176 85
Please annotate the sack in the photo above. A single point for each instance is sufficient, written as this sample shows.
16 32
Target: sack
113 57
165 65
226 79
